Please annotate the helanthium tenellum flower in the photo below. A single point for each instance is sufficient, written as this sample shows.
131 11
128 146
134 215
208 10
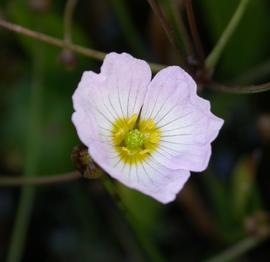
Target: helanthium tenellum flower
148 134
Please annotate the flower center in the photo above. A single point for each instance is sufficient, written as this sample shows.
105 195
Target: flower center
133 141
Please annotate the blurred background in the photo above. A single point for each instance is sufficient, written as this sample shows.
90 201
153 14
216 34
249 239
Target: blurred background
78 221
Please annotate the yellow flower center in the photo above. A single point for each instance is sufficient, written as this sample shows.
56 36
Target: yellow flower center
134 141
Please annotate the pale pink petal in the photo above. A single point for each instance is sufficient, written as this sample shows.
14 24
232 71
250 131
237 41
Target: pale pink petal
186 123
84 106
171 86
127 79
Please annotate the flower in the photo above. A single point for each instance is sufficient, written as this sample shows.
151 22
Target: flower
148 134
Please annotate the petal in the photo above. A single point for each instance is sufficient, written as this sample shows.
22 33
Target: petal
186 123
127 82
171 85
185 138
83 117
149 177
118 91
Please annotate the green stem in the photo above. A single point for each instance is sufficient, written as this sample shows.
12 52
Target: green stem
130 32
26 200
150 250
215 54
237 250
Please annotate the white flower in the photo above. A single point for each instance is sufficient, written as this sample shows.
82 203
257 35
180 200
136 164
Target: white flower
147 134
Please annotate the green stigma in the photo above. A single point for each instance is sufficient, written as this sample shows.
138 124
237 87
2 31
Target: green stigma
134 139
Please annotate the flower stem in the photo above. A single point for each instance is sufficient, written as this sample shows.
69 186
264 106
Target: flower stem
239 249
215 54
146 245
26 200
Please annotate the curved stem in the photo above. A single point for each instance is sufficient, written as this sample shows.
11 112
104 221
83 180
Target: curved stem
215 54
43 180
97 55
